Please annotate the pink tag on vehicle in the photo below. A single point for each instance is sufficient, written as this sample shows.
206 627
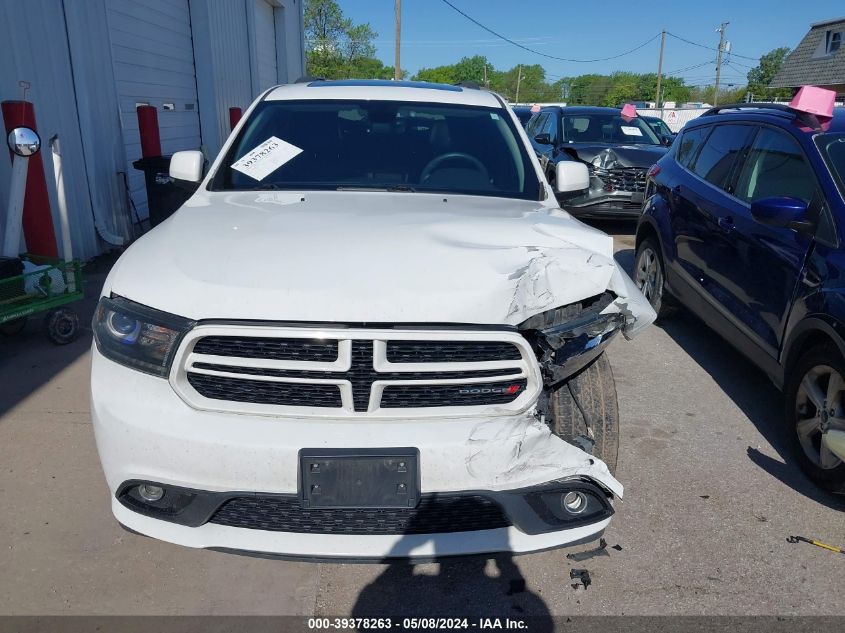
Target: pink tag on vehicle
535 107
814 100
629 111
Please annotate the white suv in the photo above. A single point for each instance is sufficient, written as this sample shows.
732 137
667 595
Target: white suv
371 333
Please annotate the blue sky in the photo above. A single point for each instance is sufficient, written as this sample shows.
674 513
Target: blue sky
434 34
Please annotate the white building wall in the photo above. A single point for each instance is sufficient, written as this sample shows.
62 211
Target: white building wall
220 35
153 60
90 61
35 49
233 48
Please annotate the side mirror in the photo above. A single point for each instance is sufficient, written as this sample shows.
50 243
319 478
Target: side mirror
571 176
782 212
543 139
187 166
667 140
24 141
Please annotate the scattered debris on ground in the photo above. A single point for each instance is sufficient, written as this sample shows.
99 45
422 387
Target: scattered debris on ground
580 578
601 550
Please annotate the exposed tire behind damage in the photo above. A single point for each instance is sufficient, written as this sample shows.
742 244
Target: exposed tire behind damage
585 411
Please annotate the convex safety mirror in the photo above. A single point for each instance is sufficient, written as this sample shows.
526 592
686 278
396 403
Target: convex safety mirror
24 141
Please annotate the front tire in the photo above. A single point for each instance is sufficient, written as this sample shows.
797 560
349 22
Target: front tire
650 277
815 414
585 411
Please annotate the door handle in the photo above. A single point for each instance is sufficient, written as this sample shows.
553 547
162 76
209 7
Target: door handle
726 224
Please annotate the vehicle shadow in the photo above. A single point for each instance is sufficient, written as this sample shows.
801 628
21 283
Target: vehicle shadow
749 388
474 587
28 360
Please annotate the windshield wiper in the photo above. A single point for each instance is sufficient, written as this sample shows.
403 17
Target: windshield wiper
389 188
267 186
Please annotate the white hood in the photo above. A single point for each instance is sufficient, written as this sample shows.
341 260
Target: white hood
370 257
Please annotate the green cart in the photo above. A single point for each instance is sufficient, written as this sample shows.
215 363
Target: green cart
47 285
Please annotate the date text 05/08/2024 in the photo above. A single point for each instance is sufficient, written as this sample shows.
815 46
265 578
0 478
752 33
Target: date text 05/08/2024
414 624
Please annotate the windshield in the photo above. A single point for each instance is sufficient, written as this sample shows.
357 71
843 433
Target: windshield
379 145
607 128
832 147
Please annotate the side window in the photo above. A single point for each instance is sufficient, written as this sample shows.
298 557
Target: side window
539 122
551 126
775 167
717 157
689 144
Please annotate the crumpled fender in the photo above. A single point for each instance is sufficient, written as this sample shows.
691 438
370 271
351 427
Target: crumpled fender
520 451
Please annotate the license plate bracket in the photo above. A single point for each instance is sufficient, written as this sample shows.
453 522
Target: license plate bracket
359 478
637 196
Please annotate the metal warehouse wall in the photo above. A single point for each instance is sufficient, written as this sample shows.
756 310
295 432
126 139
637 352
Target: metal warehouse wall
36 50
230 74
90 61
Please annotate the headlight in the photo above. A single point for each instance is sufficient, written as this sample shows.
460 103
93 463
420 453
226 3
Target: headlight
137 336
566 339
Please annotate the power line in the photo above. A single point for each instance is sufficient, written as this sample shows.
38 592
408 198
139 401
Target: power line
709 48
680 70
536 52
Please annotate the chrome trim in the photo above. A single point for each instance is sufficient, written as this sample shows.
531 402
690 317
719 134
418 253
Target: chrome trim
525 368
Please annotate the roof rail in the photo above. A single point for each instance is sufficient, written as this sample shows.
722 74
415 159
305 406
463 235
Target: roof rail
806 118
308 79
466 83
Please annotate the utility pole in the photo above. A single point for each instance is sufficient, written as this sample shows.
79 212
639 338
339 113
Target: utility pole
518 80
721 30
660 68
486 85
397 70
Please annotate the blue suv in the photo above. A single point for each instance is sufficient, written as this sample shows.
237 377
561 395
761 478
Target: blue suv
744 224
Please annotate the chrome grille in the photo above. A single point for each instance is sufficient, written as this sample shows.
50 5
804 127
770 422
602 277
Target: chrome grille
355 372
623 178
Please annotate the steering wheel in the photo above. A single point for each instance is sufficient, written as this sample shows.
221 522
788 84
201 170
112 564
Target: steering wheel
434 163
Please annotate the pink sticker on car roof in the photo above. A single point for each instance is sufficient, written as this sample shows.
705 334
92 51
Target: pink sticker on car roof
814 100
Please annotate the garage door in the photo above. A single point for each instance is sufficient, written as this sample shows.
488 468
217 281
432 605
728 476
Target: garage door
153 59
265 44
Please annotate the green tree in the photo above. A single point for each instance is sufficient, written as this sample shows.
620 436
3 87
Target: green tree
468 69
761 76
336 48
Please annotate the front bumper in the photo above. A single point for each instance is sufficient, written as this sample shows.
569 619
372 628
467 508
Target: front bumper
604 198
145 432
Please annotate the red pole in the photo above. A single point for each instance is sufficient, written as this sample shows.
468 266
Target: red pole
148 129
37 218
234 116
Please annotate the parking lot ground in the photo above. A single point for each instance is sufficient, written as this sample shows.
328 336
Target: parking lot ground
711 494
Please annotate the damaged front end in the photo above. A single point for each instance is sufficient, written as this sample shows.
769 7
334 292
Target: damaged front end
569 338
617 181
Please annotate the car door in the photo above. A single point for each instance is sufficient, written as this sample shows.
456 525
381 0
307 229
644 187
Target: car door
700 203
762 264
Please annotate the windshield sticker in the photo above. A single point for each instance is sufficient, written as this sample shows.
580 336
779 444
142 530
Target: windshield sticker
262 161
629 130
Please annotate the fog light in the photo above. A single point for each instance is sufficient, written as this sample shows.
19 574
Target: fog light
150 493
574 502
